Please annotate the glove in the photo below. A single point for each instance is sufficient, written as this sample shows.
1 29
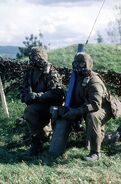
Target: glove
72 114
31 97
62 110
57 112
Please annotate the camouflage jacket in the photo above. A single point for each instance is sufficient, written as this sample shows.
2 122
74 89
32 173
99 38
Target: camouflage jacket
90 93
47 82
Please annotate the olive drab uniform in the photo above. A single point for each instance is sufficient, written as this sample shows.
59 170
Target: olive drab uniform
90 96
88 103
42 88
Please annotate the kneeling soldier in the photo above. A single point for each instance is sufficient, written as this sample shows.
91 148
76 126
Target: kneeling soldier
42 88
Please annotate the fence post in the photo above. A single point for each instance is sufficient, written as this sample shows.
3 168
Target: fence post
4 103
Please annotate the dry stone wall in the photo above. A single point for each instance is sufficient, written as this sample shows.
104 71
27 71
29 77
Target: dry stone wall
12 72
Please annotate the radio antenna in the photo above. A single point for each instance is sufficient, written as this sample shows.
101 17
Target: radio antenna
95 22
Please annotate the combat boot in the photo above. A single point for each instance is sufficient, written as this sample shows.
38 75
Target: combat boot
36 147
92 157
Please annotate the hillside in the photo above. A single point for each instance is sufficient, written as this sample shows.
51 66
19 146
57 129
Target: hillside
45 169
106 57
8 51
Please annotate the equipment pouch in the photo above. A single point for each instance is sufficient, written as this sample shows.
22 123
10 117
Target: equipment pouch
115 106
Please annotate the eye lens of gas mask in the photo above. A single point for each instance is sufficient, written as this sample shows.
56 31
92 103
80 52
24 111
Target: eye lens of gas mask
78 66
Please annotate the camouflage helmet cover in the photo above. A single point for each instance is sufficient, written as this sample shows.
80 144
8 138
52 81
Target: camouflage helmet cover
84 58
39 53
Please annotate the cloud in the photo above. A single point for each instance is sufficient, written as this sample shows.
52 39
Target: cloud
60 23
60 1
71 2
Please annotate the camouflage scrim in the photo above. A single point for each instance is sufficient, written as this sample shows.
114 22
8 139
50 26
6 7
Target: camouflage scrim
38 56
43 81
54 79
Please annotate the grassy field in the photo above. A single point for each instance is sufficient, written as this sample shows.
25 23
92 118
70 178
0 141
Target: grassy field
106 57
70 168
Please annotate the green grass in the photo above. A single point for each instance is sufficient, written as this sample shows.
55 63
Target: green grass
68 169
106 57
62 57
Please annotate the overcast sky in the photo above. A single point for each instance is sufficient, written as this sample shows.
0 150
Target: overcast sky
62 22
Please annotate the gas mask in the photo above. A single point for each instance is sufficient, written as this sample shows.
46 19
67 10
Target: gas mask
81 69
38 63
82 64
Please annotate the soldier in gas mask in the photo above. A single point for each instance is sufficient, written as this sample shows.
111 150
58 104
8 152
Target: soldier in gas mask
42 88
89 102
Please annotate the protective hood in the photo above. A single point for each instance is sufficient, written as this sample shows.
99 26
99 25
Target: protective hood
83 59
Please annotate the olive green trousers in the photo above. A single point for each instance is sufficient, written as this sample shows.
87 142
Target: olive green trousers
95 125
37 117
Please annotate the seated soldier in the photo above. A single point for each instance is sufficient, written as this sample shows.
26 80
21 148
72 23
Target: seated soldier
42 88
88 102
